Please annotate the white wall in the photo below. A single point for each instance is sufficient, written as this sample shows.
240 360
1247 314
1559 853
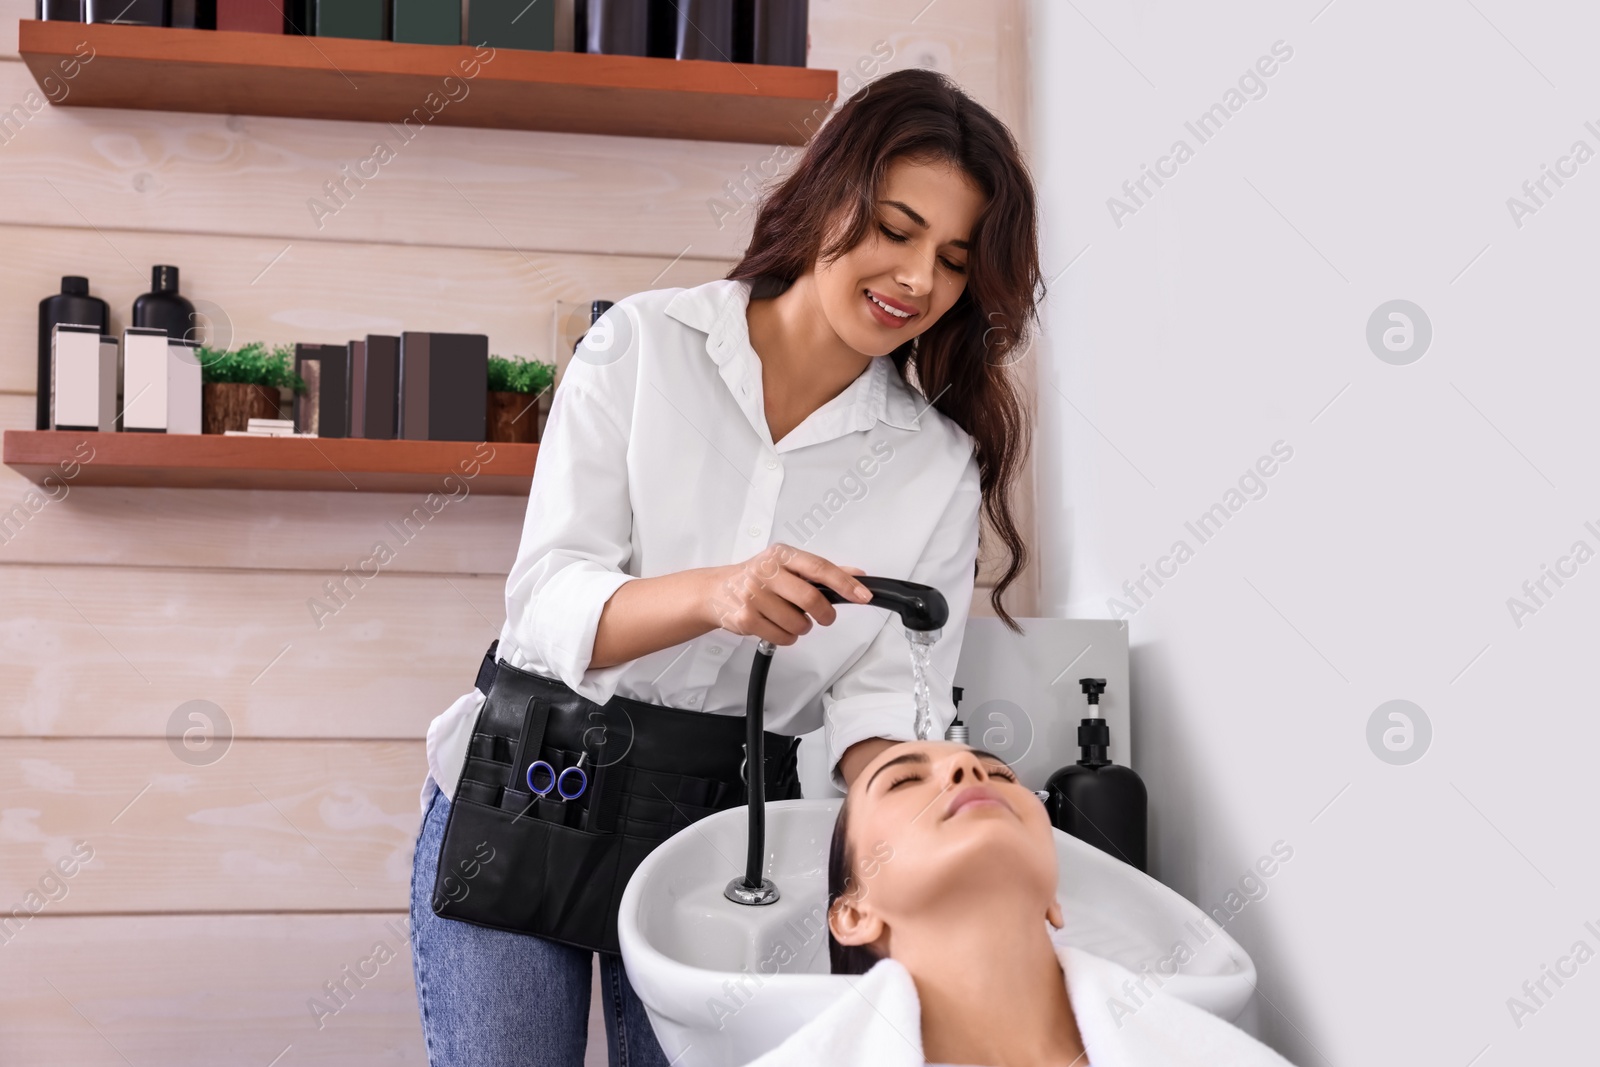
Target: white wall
1229 312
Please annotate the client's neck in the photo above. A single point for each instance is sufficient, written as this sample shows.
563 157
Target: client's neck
991 988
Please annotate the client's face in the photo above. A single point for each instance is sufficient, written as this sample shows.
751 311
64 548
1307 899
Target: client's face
934 826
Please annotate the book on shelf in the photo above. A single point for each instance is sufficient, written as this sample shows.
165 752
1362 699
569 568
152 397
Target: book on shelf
324 408
444 381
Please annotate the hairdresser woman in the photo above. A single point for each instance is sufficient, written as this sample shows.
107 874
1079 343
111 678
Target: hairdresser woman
838 406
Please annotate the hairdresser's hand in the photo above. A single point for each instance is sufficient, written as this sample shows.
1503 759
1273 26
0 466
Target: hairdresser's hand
770 595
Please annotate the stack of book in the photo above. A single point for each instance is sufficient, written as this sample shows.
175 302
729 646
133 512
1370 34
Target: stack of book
417 386
268 428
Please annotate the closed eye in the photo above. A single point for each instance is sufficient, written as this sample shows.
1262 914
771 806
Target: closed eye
901 239
902 781
1002 771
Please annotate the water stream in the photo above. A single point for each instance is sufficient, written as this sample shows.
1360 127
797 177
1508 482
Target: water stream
921 646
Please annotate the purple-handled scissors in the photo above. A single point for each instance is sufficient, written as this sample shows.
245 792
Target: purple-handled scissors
568 784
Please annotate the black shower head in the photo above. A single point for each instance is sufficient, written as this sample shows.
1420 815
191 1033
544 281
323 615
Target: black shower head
921 607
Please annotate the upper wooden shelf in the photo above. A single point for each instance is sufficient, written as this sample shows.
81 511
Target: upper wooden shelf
223 72
217 461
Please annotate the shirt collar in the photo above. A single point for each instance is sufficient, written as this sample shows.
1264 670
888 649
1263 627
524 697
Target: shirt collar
717 309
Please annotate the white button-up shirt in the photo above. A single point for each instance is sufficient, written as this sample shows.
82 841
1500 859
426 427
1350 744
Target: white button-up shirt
657 458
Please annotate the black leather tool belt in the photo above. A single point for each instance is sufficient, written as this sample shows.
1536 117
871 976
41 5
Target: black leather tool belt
554 867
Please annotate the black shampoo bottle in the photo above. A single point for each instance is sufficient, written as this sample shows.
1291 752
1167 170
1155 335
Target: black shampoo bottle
162 308
1096 800
73 305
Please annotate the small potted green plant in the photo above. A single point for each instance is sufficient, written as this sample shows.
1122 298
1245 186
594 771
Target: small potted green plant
244 384
517 389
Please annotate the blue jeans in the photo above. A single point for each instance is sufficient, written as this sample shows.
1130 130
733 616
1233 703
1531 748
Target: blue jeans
491 998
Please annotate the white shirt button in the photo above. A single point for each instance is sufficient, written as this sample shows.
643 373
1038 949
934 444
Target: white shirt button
755 531
772 464
715 650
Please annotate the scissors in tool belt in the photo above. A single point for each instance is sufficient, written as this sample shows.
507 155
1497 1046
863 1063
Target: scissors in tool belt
568 784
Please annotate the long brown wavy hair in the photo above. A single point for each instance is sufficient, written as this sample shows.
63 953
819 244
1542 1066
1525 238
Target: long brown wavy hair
963 360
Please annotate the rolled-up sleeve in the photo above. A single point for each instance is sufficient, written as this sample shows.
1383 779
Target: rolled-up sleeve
873 697
577 535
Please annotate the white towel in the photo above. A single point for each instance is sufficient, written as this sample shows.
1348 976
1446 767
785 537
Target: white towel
879 1024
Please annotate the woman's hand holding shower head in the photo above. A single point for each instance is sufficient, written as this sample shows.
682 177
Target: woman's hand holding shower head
770 595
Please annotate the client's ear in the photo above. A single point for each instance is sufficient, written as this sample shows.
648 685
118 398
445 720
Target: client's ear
852 924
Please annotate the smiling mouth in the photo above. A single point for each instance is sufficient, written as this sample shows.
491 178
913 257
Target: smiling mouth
889 309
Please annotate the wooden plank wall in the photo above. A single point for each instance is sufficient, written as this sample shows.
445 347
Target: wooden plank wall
221 897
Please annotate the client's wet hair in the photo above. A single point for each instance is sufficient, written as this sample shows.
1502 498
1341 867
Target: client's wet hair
844 959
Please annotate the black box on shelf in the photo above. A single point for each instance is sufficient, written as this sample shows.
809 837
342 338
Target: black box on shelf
194 14
130 12
367 19
444 386
778 32
324 408
378 393
511 24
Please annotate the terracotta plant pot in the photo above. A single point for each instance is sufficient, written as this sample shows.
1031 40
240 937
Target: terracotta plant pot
513 417
231 405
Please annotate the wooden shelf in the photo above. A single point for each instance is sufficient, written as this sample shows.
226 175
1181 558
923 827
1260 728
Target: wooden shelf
217 461
231 73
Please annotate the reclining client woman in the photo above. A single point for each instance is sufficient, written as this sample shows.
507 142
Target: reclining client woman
942 896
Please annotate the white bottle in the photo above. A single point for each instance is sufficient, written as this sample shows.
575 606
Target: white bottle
183 386
76 381
144 379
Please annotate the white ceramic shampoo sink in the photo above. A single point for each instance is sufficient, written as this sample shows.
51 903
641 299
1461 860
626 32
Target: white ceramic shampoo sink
724 982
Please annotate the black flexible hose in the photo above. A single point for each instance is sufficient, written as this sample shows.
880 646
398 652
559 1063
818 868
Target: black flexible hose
755 765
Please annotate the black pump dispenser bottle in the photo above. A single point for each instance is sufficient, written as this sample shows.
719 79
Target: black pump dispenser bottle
957 730
1096 800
